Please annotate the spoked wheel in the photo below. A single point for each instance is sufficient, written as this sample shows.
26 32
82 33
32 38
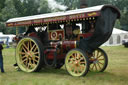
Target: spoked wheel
29 54
99 61
77 63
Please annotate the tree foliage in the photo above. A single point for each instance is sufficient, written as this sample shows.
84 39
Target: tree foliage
71 4
19 8
43 7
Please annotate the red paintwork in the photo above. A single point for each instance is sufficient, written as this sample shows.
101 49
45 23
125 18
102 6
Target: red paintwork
55 19
32 34
49 53
65 46
54 34
85 35
68 44
61 56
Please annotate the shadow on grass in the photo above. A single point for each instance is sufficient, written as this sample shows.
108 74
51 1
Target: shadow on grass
52 71
63 71
99 73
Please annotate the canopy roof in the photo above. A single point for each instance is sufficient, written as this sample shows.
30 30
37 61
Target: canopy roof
59 16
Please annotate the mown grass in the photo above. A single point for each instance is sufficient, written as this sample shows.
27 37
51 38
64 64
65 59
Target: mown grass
115 74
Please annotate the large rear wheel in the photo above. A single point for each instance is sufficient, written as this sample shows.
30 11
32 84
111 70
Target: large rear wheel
29 54
98 61
77 63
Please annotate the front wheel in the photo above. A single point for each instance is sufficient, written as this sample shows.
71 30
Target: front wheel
77 63
98 61
29 54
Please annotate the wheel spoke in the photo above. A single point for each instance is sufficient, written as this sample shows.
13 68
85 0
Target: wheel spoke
26 63
71 61
81 68
33 65
95 66
29 64
83 62
24 50
36 61
22 53
33 47
99 65
77 70
74 56
36 53
81 58
93 53
37 57
97 53
99 56
71 66
100 59
78 55
23 57
24 60
25 46
28 45
92 66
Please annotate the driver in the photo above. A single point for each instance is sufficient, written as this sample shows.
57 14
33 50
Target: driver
76 30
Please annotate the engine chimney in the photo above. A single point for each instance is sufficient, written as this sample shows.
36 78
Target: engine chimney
83 4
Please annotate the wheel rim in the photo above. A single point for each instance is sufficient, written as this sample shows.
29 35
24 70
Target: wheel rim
97 61
28 55
75 63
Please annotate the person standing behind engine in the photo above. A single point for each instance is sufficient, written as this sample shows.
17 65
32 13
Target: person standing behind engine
1 59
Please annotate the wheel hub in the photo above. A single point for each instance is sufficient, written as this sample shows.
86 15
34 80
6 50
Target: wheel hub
76 63
95 61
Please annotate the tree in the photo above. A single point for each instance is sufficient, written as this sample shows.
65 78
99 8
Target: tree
7 12
122 5
97 2
44 8
71 4
26 7
2 4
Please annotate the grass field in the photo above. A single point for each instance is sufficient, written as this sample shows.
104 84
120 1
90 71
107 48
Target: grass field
115 74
